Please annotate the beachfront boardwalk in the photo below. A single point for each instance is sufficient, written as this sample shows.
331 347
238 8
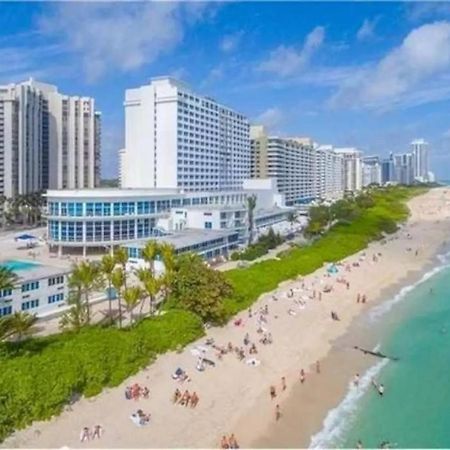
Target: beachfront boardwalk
234 395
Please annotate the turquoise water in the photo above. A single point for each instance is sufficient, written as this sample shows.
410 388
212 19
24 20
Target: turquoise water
415 410
16 265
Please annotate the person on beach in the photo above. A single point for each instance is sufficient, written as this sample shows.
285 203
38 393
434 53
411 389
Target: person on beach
194 399
320 296
85 434
249 315
363 299
356 380
277 413
98 431
176 395
145 392
233 442
224 443
283 383
246 339
359 445
358 298
317 366
185 398
302 376
380 390
273 392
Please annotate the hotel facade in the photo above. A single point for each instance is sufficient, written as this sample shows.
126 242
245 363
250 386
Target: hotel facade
177 139
47 140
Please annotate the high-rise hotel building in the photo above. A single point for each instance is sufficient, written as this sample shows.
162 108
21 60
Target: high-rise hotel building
175 138
47 139
290 161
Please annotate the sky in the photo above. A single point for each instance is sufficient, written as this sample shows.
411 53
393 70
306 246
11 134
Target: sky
372 75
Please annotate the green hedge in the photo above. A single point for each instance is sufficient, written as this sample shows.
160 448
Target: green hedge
341 241
40 376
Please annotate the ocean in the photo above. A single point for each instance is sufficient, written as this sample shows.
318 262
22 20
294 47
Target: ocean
414 412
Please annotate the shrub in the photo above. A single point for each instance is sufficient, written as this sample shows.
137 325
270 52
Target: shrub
41 375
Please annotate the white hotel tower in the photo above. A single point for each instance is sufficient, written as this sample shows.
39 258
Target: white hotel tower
175 138
47 139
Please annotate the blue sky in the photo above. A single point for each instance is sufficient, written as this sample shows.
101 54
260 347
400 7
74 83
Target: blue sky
373 75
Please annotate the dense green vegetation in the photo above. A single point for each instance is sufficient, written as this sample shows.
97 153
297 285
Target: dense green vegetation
356 223
199 289
260 247
40 375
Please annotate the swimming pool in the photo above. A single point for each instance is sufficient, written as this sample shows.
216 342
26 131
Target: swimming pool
16 265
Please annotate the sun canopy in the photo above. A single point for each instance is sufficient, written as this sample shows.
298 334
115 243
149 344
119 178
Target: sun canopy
25 237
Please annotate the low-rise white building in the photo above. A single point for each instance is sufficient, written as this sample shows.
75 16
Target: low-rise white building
40 289
104 218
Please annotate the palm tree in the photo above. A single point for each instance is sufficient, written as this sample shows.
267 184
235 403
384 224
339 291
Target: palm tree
149 254
167 252
150 285
132 296
21 324
251 205
118 282
76 317
5 327
85 278
7 278
121 257
107 266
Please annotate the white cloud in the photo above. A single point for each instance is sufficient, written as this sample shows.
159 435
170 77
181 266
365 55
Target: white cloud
119 36
271 118
416 11
286 61
423 56
367 30
230 42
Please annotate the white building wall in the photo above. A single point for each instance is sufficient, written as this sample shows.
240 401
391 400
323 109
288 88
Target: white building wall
183 140
49 145
352 168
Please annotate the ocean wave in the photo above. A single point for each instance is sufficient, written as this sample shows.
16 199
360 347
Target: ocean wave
379 310
339 419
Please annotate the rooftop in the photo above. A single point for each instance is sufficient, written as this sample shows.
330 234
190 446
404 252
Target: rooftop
32 270
186 238
129 192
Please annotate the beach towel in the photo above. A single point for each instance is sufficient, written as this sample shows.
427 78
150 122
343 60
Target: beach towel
137 421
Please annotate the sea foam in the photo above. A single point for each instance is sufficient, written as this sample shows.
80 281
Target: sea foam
339 419
381 309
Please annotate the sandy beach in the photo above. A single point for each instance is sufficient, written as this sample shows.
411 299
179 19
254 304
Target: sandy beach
234 396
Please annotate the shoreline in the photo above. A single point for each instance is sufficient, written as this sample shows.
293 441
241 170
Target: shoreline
234 396
311 404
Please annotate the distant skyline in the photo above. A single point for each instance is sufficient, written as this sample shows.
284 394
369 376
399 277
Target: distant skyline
370 75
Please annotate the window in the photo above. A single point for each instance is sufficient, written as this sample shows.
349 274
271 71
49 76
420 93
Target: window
208 225
5 292
5 311
55 298
30 286
56 280
30 304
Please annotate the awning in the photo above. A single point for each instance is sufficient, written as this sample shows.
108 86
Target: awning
25 237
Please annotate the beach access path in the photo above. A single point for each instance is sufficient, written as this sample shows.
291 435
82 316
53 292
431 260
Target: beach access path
234 396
